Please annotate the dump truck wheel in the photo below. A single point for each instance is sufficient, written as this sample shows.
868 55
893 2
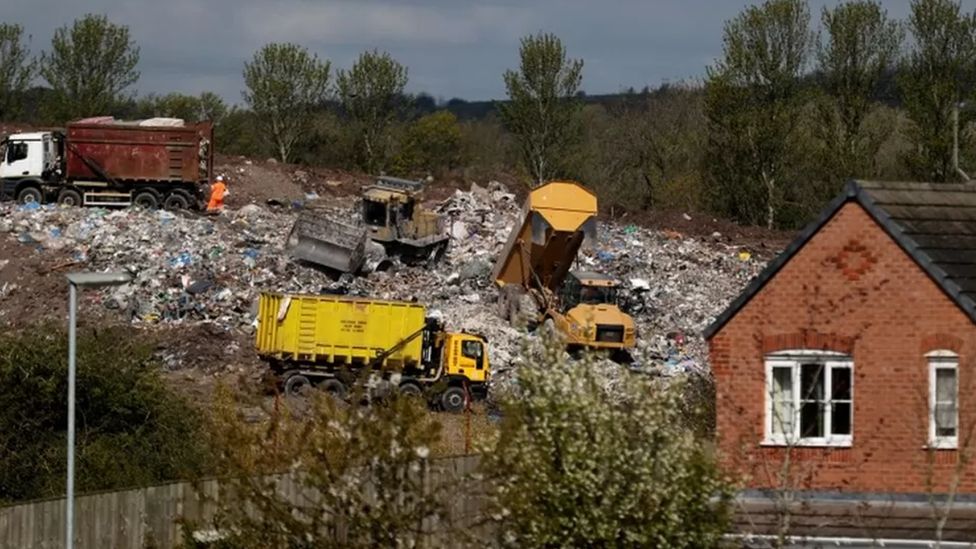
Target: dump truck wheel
334 388
28 195
69 197
176 201
297 385
410 390
146 200
452 400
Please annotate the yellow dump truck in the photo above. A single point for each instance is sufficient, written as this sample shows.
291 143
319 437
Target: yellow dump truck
329 341
556 220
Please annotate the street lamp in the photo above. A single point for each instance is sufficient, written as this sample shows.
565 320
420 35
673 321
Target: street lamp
75 281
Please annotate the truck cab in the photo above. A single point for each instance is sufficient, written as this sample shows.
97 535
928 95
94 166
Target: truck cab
28 156
588 301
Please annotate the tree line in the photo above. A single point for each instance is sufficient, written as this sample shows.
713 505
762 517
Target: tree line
786 114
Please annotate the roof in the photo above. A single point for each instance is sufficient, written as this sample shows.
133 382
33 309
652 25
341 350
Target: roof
934 223
594 278
30 136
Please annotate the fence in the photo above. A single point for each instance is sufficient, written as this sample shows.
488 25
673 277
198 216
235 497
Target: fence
150 517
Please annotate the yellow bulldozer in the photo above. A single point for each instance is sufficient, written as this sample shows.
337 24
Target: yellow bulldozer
558 218
392 222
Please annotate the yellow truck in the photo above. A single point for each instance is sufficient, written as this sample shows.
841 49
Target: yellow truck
330 341
556 220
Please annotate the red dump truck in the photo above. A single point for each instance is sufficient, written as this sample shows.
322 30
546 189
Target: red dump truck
106 162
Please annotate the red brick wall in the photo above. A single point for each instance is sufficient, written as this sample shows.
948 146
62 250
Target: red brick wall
850 289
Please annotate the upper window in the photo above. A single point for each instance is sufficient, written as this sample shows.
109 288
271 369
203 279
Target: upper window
943 399
810 398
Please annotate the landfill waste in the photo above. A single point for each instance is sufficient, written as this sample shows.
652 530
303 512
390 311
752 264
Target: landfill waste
191 270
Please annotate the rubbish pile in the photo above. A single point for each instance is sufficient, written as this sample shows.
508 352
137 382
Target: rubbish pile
193 269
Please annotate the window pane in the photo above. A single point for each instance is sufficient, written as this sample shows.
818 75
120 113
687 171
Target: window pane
945 420
811 420
840 421
812 382
945 385
782 401
840 383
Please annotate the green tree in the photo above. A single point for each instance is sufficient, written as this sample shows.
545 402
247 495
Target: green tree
753 100
89 67
206 106
940 72
543 109
360 472
285 84
15 70
578 464
123 409
372 95
432 143
861 46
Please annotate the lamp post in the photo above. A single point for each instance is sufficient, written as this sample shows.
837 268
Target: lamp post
75 281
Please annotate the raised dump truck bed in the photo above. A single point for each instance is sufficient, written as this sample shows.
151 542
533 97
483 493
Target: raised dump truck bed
330 341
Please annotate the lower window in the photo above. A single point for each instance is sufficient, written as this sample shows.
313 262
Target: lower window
810 399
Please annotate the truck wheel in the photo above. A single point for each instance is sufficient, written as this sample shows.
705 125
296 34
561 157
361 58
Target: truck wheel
29 195
176 201
297 385
411 390
69 197
334 388
452 400
146 200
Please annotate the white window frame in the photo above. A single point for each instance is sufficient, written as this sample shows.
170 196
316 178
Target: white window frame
942 360
793 359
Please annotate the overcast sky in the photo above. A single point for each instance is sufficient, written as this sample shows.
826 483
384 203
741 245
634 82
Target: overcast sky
453 48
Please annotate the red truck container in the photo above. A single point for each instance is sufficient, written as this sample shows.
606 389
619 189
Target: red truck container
104 162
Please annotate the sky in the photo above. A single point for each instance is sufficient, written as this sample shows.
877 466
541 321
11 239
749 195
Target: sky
452 48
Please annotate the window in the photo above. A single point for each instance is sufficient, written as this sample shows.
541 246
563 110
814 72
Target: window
374 213
473 350
943 399
16 151
809 399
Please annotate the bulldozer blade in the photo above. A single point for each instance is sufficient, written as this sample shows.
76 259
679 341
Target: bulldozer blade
319 239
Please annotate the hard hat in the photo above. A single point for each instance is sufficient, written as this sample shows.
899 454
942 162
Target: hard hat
220 178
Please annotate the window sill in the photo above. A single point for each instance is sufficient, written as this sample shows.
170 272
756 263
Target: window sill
941 445
807 444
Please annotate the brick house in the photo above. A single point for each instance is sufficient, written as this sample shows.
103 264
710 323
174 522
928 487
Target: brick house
851 354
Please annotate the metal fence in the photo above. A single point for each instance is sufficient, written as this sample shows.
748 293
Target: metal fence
151 517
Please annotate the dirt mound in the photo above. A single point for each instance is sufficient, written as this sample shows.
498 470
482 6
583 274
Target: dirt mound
254 182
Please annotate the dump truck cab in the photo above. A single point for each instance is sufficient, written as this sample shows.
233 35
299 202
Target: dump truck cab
28 158
465 356
591 317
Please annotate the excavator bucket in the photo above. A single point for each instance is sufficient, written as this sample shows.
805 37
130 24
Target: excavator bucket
320 239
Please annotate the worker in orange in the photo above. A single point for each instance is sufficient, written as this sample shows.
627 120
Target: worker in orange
217 193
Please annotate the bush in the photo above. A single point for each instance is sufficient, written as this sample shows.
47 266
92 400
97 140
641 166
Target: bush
130 428
579 465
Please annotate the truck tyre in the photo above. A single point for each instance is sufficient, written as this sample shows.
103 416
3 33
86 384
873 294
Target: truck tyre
411 390
334 388
452 400
177 201
147 200
297 385
69 197
28 195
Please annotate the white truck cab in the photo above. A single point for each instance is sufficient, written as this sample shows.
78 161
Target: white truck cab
28 155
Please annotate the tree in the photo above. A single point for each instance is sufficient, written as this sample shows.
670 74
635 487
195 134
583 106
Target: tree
939 73
361 474
123 409
206 106
431 143
89 67
753 100
15 71
861 46
543 108
372 95
580 465
285 84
